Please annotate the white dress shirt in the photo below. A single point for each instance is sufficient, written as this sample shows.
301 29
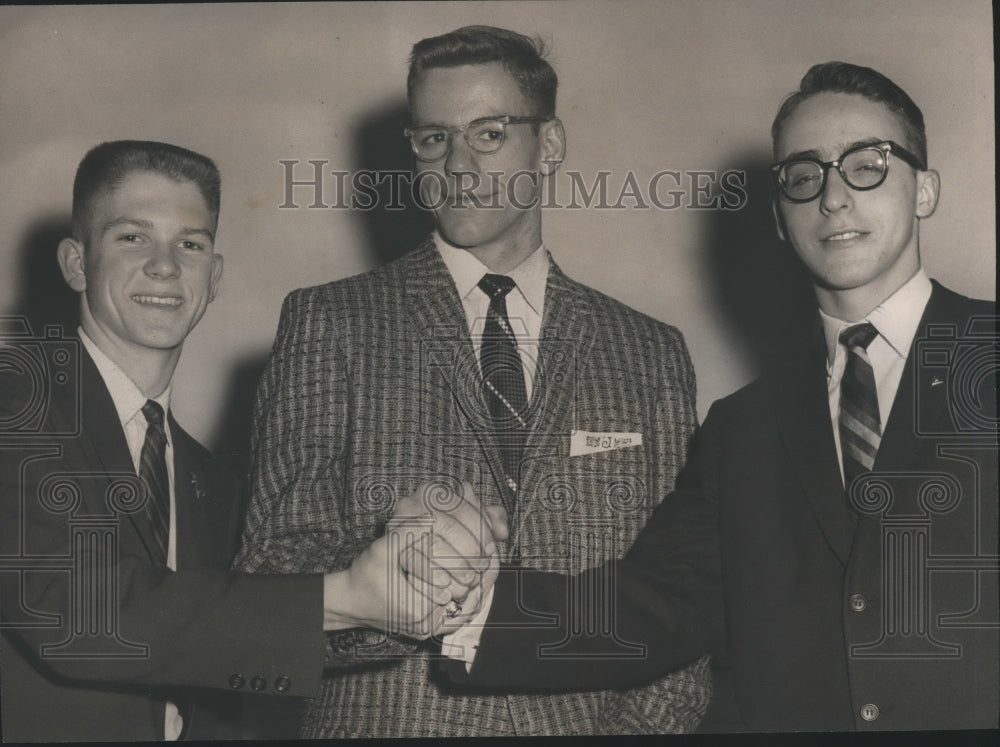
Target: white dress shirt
896 320
129 400
525 304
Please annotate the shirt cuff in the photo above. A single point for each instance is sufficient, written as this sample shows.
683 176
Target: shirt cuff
464 642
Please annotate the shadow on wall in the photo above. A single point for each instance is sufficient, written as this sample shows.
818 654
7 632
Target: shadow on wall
764 293
231 438
43 296
759 284
393 220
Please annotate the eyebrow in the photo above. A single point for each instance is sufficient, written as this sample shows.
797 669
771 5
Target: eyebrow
148 226
127 222
814 154
198 232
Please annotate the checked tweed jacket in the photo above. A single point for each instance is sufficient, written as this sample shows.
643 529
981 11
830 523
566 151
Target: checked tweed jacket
373 388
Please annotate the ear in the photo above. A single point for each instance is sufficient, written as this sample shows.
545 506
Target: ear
213 286
928 189
553 146
779 222
70 258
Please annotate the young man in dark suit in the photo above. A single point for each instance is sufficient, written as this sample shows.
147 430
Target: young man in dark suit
121 620
476 358
834 538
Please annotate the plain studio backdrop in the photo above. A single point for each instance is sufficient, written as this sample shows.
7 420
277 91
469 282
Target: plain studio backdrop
674 89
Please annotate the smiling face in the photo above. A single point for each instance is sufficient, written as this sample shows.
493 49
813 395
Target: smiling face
859 246
148 269
501 224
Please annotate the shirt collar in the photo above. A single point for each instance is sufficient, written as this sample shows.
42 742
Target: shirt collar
127 397
896 318
466 270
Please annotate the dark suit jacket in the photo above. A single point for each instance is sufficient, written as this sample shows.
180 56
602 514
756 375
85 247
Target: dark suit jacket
884 621
373 388
96 636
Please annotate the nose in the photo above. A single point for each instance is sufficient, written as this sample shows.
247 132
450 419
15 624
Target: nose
461 158
836 194
162 263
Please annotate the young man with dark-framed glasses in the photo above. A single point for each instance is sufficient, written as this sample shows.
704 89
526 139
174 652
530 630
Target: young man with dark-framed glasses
833 539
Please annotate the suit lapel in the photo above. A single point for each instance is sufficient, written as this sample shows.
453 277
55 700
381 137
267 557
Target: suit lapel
102 440
442 345
194 535
102 437
567 335
802 409
922 400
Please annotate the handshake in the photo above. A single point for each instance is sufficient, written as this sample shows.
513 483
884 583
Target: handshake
430 571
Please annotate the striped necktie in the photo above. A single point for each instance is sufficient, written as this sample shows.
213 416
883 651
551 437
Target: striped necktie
153 474
503 376
860 424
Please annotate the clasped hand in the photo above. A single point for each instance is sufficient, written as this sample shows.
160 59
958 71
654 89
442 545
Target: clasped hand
431 569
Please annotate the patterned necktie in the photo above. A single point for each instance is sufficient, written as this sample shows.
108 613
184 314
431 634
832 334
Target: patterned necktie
860 425
153 474
503 376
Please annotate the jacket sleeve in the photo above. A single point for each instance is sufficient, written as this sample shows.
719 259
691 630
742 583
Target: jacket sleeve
668 601
674 702
86 607
296 518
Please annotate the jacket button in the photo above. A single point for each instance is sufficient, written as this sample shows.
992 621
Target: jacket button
869 712
258 683
237 681
282 683
858 604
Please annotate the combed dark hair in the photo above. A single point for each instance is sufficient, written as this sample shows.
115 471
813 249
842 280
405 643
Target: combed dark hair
106 165
843 77
522 57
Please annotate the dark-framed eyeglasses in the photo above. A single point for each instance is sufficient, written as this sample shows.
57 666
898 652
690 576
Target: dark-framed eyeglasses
484 135
862 167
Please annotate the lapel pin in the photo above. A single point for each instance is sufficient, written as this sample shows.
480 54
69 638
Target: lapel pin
197 488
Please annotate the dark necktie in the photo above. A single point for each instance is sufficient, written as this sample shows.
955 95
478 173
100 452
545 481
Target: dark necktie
860 424
153 474
503 376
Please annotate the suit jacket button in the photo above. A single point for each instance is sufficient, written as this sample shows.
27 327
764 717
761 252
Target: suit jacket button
858 604
237 681
282 683
258 683
869 712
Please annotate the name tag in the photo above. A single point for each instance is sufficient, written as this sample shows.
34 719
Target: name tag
587 442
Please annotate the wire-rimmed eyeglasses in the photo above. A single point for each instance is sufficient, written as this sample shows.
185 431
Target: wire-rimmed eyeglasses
483 135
